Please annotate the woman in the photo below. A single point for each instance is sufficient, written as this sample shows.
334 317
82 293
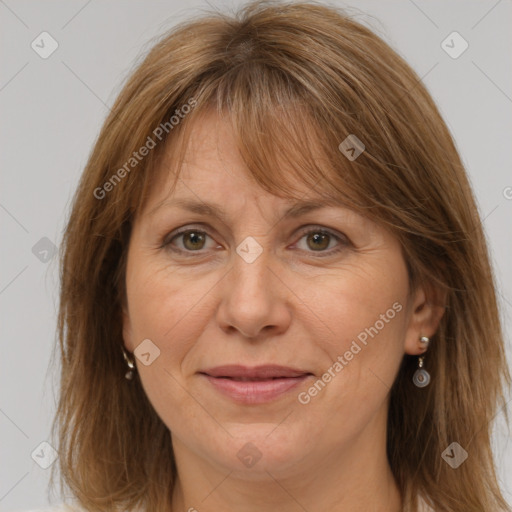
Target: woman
275 242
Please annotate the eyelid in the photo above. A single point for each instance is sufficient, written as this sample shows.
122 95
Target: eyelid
313 227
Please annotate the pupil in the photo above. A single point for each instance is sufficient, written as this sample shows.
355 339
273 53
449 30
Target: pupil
320 237
195 238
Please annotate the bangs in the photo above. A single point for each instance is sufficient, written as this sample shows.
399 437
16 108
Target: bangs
286 141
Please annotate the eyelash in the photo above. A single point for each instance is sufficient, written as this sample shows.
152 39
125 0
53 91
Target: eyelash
343 241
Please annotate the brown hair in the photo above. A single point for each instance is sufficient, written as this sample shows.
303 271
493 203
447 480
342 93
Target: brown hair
276 68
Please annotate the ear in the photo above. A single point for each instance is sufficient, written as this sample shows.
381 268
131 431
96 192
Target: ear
427 309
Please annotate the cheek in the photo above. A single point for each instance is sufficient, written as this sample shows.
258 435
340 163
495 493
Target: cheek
362 301
361 328
170 308
160 299
162 304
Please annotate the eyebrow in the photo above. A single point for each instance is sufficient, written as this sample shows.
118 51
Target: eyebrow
212 210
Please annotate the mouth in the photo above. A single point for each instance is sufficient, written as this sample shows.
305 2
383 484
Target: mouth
254 385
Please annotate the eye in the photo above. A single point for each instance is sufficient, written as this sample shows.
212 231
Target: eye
319 239
192 240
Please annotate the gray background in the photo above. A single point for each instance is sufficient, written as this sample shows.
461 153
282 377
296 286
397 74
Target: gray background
52 110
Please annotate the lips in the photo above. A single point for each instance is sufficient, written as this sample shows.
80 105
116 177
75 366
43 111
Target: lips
254 385
266 372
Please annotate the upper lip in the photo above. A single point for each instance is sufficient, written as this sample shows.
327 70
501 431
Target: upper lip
255 372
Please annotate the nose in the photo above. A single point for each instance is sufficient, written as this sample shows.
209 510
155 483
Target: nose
254 299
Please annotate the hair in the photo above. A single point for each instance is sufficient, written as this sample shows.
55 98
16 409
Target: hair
295 80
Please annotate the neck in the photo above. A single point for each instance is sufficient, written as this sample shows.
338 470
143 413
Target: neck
353 478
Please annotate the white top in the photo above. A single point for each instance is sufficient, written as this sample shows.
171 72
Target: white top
423 507
61 507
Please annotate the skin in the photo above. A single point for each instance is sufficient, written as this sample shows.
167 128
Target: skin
295 305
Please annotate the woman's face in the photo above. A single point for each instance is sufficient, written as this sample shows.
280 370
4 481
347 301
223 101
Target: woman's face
264 341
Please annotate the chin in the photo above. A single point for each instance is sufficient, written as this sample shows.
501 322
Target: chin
258 449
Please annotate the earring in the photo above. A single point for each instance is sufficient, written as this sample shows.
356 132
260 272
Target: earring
131 372
425 341
421 377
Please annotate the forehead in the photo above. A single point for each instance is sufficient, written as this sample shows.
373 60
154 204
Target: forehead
210 165
211 179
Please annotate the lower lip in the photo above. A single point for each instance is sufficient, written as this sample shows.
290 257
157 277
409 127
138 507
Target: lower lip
255 392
